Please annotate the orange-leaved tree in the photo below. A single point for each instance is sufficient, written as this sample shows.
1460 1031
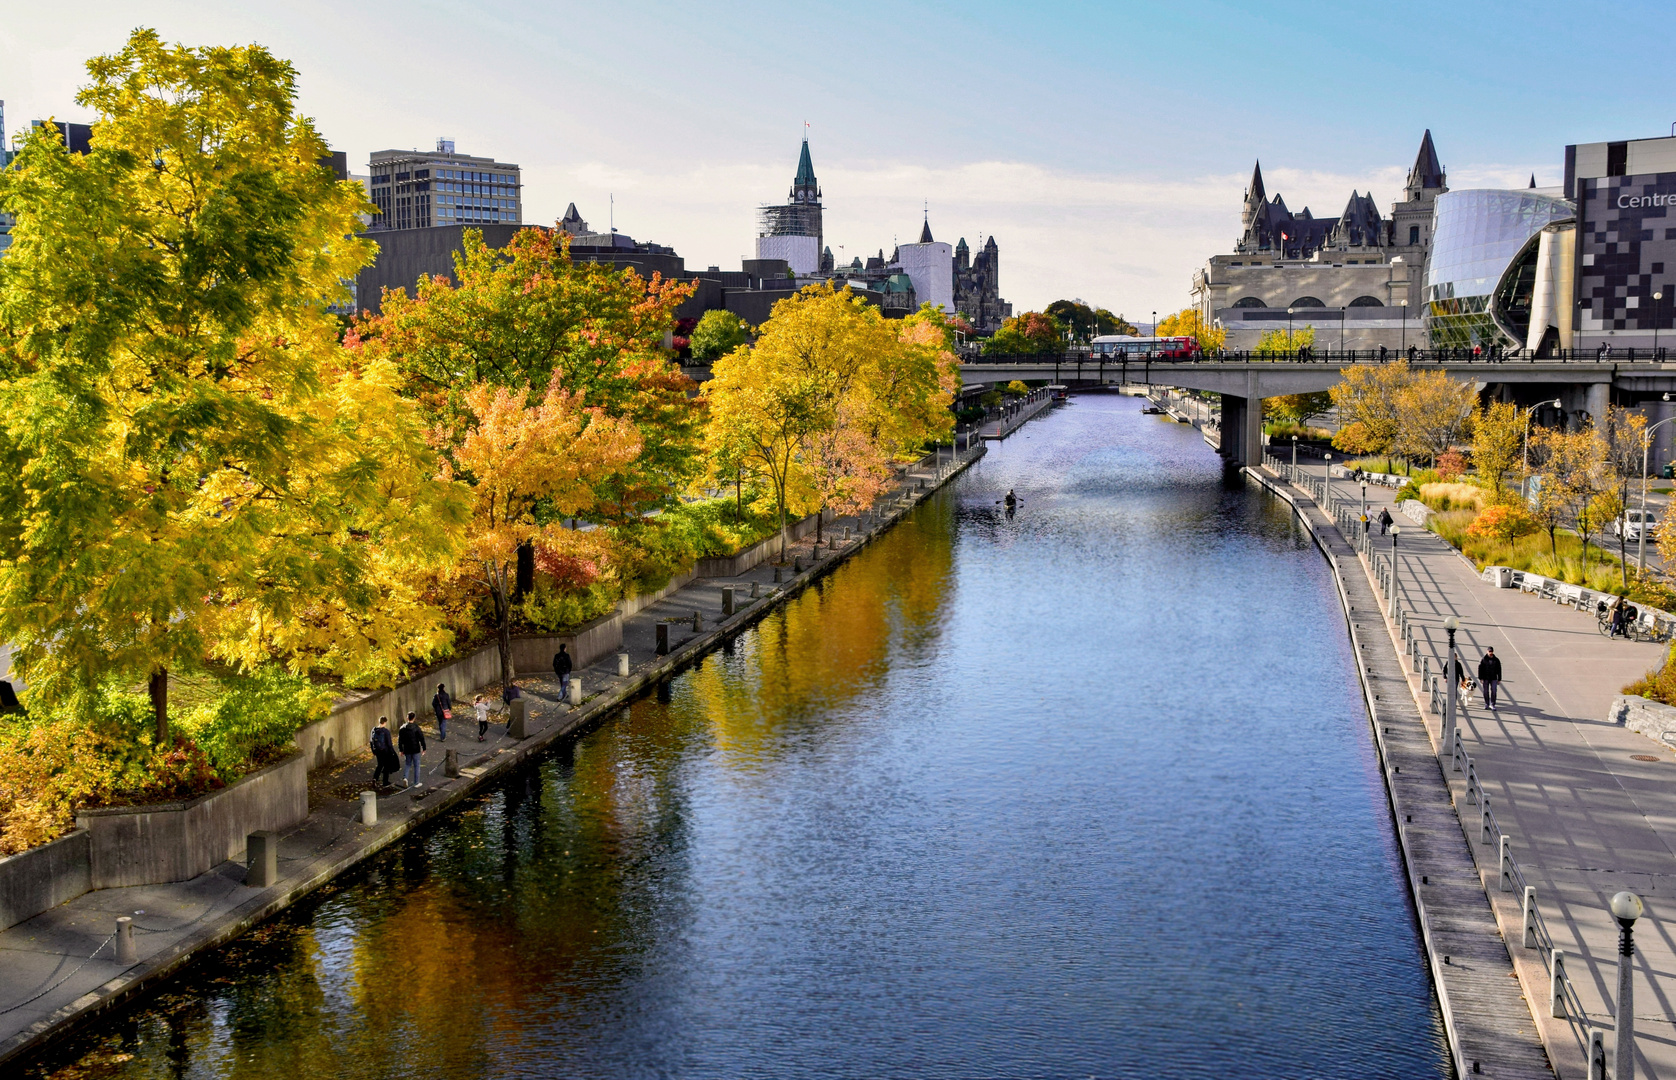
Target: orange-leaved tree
516 454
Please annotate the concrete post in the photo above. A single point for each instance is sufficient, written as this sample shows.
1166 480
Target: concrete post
663 629
1623 1039
1597 1055
1556 984
698 622
451 762
623 664
369 808
519 727
776 575
575 691
797 564
1472 781
1528 910
261 853
1505 857
1484 819
753 590
727 601
126 954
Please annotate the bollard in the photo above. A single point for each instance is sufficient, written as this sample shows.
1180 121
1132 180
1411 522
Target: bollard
698 622
575 691
776 575
1597 1055
451 762
727 601
519 727
832 543
846 532
126 955
1556 984
623 664
369 808
1484 820
1459 752
1472 781
753 590
797 564
1529 913
261 853
663 631
1505 853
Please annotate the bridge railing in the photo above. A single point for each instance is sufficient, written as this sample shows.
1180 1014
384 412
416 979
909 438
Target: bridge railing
1414 354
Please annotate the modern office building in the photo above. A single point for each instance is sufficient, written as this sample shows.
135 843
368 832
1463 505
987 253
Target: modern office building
1490 267
417 190
1625 257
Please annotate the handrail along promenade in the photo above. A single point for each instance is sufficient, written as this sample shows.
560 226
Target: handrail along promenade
1564 1002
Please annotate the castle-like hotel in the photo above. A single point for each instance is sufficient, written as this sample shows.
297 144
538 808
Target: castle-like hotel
1354 278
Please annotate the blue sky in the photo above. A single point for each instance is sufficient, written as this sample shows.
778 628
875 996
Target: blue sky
1105 146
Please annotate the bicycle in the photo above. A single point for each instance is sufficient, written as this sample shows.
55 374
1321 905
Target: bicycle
1632 628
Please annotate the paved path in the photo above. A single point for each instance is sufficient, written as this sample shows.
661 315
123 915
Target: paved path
1590 807
59 969
1000 429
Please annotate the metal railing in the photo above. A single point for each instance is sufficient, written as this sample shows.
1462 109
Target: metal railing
1309 355
1564 1002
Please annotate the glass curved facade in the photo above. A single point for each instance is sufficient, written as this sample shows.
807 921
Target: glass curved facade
1476 240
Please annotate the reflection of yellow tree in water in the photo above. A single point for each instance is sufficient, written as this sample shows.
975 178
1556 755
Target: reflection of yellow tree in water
829 645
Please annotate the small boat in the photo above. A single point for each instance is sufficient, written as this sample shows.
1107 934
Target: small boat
1059 394
1151 410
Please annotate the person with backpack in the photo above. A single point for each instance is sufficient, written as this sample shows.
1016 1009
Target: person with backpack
443 706
561 668
385 764
410 740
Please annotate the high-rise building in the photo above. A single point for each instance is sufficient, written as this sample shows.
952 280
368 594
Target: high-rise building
416 190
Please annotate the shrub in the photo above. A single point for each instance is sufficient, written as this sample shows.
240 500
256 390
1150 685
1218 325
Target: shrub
1447 496
1503 523
1018 388
1451 464
252 722
1658 685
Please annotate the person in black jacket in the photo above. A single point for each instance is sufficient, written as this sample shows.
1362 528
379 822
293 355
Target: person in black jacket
561 668
385 764
1489 674
443 706
410 740
1385 520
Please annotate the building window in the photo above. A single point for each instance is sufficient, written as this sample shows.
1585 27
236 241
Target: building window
1306 301
1413 235
1617 159
1249 302
1366 301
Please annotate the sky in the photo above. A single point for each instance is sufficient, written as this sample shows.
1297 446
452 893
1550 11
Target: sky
1105 146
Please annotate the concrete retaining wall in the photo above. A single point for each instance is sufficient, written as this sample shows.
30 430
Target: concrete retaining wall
44 877
147 845
755 555
1650 718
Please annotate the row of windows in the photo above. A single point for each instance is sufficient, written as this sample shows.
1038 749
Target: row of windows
468 175
1306 302
500 204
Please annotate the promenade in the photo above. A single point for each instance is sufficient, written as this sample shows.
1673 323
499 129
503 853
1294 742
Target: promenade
1589 807
59 969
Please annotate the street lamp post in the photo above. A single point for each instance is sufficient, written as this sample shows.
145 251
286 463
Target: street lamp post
1656 298
1527 441
1391 597
1641 530
1294 457
1451 624
1290 344
1327 484
1626 907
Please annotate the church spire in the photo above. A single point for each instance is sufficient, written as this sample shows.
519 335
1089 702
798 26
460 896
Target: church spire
804 188
1255 197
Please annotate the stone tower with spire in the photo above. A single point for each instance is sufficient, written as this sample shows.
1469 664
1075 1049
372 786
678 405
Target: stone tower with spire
1411 219
794 232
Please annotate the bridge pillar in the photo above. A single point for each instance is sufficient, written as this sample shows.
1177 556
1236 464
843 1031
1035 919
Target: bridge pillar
1242 429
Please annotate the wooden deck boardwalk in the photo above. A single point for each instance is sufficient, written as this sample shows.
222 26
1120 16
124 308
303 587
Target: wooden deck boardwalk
1490 1026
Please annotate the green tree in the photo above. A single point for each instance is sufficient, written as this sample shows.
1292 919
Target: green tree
1107 323
193 467
1285 343
529 315
1076 317
717 334
1298 408
1029 334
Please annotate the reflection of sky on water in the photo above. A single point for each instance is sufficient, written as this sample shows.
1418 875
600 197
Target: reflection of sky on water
1086 792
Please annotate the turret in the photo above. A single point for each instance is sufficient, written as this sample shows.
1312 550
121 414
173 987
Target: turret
1427 176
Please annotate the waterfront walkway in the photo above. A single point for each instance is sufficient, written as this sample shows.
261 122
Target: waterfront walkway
59 969
1589 807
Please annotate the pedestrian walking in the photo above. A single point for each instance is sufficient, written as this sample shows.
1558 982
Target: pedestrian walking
410 740
443 706
1617 618
1385 520
385 764
561 668
481 708
1489 675
509 695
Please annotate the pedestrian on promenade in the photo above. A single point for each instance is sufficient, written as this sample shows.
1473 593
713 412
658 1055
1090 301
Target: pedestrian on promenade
1365 524
509 695
410 740
1489 674
385 764
443 706
1617 618
1384 519
561 668
481 708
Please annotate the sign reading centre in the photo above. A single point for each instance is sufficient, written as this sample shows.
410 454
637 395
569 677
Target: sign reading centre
1635 202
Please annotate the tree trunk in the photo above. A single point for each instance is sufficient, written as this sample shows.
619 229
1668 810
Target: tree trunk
503 626
820 519
738 496
158 687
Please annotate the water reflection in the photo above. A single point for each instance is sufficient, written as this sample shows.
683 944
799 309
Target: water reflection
1084 792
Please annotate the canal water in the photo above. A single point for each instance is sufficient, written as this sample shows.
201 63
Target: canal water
1087 792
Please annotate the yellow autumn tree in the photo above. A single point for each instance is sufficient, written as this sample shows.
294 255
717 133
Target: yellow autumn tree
1498 435
1366 397
515 455
1189 323
1434 412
